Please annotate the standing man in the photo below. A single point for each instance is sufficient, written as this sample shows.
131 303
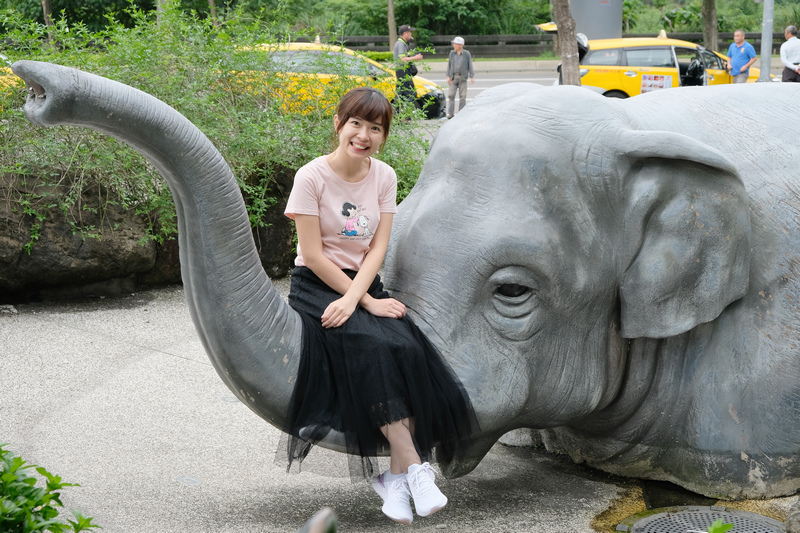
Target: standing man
406 70
741 55
459 66
790 55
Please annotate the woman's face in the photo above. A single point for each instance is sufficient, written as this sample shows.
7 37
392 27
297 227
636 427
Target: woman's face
359 138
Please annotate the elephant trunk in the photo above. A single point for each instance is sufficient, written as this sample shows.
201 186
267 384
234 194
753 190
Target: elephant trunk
251 335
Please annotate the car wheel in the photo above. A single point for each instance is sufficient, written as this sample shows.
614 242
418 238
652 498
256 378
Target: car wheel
615 94
430 107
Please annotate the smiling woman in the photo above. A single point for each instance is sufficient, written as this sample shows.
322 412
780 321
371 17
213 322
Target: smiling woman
366 374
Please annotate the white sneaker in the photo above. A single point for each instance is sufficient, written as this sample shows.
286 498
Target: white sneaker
427 497
395 496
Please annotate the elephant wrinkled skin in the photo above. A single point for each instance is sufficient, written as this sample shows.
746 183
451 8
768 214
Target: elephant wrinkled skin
619 274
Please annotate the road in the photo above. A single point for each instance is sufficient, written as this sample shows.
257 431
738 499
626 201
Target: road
487 80
491 73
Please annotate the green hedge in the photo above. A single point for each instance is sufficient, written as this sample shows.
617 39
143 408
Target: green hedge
189 64
382 57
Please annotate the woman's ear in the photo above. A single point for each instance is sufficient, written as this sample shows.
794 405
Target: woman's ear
336 123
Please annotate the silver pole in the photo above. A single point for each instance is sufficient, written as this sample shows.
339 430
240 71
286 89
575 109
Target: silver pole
766 39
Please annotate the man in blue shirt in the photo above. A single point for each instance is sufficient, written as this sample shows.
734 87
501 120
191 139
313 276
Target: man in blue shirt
741 55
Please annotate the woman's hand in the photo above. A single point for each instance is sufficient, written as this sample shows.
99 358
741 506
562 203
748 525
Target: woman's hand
387 307
338 312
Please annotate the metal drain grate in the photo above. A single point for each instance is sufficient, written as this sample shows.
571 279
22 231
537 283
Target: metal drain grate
688 519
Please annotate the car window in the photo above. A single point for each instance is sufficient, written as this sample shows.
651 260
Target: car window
649 57
602 57
355 65
712 60
685 55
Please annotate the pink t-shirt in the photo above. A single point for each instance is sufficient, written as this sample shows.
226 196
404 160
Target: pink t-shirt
348 212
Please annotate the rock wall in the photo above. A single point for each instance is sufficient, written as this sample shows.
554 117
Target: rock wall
62 264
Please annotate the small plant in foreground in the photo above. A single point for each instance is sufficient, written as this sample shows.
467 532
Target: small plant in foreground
24 507
719 527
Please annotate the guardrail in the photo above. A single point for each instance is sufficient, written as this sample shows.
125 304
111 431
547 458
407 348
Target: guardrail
489 46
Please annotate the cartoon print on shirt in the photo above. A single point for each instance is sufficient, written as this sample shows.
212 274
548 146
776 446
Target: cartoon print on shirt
355 222
350 213
363 221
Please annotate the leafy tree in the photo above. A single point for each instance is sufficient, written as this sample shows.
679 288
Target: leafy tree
710 32
92 13
567 43
686 18
631 9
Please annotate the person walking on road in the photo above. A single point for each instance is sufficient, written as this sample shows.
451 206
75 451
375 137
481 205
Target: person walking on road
459 67
790 55
741 55
406 69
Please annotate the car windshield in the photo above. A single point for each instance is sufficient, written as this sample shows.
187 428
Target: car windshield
323 62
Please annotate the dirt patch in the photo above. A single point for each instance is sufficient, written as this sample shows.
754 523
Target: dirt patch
630 502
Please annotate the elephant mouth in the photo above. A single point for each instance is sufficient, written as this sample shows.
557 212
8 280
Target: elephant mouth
467 456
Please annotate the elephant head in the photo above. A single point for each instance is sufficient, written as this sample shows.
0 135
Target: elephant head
547 229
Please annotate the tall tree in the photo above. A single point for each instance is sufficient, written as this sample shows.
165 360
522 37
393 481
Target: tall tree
212 12
710 32
47 8
392 25
567 43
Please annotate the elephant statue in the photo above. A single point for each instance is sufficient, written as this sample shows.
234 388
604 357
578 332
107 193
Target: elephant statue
622 275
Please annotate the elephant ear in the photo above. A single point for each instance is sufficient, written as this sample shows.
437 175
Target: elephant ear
686 236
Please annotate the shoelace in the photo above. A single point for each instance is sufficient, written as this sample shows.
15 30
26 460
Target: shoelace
399 490
423 478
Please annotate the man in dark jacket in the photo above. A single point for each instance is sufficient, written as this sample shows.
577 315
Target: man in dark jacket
405 72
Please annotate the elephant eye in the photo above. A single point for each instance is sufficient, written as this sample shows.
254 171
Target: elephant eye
512 290
514 310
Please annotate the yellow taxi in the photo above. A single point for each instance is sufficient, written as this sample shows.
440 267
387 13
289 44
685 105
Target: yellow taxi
620 68
314 76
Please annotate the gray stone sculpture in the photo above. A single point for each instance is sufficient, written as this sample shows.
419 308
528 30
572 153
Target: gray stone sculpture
620 274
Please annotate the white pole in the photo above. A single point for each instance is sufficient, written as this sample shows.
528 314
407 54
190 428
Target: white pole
766 39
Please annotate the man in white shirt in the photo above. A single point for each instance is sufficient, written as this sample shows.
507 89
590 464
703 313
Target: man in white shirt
790 55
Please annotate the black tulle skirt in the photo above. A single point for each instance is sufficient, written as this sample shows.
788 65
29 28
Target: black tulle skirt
365 374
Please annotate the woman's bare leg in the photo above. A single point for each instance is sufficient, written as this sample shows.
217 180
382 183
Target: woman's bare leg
403 452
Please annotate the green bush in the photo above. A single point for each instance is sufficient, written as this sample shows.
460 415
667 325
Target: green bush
24 507
190 64
382 57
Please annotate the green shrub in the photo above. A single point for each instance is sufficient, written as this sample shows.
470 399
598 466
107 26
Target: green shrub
24 507
381 57
189 64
